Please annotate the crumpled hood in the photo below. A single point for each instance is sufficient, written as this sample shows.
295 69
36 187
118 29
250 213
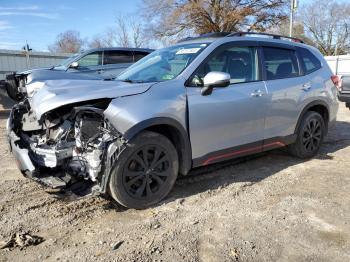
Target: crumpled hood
37 79
43 75
27 72
57 93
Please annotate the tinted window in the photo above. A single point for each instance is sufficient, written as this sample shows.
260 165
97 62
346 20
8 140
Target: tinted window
310 62
280 63
239 62
138 55
93 59
117 57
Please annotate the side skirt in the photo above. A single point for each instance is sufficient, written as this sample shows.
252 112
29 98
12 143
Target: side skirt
244 150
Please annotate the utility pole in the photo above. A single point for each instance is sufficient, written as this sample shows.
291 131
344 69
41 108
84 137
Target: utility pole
293 8
26 52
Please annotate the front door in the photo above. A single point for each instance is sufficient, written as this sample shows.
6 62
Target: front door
89 64
229 122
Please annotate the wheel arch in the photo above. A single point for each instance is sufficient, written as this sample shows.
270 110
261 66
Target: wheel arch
318 106
174 131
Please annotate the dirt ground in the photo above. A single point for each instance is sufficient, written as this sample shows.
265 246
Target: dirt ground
270 208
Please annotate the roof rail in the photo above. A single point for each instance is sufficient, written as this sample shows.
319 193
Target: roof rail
208 35
274 36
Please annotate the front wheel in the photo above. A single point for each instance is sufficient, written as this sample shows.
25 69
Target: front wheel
310 136
145 172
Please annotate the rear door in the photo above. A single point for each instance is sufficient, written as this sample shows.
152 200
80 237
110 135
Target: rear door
116 61
286 87
230 121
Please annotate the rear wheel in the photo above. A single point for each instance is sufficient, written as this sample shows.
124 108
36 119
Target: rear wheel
145 172
310 136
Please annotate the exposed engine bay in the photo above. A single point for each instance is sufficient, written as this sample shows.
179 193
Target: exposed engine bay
69 144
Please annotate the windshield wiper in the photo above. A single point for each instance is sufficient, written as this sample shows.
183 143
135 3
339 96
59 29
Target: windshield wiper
127 80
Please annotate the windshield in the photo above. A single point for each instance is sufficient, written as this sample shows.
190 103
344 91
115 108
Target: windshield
164 64
66 62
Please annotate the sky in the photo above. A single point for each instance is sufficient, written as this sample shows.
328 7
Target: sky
39 21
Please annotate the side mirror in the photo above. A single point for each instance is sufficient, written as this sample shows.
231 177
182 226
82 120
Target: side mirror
74 65
215 79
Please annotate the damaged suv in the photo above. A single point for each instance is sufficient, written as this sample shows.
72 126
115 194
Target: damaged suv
201 101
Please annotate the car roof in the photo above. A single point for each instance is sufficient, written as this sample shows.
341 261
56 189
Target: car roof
245 36
147 50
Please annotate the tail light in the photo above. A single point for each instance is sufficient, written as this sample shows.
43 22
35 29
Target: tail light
337 81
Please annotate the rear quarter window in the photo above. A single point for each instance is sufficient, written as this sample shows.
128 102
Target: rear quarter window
309 61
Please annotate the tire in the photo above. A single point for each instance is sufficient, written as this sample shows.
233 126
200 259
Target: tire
11 89
310 134
137 181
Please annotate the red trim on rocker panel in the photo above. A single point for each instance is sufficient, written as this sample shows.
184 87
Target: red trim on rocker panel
239 152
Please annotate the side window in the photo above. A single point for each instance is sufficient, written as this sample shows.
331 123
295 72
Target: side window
93 59
138 55
240 62
310 62
117 57
280 63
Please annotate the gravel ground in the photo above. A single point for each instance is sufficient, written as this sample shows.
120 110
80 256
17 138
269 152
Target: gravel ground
270 208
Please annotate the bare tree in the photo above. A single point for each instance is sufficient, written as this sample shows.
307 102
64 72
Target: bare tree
127 32
298 31
107 39
67 42
169 18
327 23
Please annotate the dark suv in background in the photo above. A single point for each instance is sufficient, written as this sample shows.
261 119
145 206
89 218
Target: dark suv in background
93 64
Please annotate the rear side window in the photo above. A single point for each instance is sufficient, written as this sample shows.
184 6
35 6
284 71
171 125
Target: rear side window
117 57
138 55
309 61
280 63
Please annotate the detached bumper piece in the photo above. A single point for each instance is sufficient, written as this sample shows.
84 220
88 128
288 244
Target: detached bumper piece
21 155
56 181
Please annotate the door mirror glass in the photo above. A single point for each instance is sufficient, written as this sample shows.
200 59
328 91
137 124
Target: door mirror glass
74 65
215 79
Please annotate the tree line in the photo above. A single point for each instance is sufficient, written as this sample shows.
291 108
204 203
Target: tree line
324 24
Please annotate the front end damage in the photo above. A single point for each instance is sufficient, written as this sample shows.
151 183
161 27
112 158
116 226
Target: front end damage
66 145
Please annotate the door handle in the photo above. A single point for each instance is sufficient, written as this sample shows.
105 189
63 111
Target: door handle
257 93
306 86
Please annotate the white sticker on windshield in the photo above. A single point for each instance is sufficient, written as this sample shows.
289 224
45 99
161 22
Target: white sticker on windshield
187 51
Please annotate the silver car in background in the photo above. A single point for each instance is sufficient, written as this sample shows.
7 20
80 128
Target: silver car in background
206 99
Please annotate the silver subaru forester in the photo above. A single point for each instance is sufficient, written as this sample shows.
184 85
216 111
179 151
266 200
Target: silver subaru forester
203 100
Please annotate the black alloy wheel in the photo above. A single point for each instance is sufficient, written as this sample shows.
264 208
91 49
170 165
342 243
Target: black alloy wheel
310 136
145 172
